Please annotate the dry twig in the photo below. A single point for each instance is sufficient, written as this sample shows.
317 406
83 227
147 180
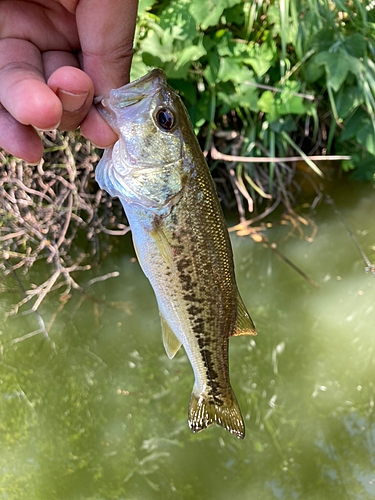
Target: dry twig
216 155
43 208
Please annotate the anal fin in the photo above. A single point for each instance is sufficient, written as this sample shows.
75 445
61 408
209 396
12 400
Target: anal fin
170 341
244 324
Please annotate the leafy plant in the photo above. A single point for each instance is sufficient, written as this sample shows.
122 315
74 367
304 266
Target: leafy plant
286 78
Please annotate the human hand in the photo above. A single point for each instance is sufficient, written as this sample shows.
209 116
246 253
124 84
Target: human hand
55 56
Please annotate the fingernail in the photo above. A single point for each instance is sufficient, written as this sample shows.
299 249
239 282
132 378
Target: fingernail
72 102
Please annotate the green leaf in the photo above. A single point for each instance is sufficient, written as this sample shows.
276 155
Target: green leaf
261 57
145 5
313 71
273 17
138 68
248 97
353 124
176 19
209 43
235 15
178 70
290 87
187 89
365 167
201 113
212 69
224 43
182 61
267 104
366 137
243 96
190 54
348 100
152 45
275 106
152 61
337 66
347 165
230 70
356 45
208 13
323 40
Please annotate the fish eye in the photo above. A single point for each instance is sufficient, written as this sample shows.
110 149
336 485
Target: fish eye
165 118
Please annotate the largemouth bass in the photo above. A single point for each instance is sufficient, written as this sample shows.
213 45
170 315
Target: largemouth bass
159 173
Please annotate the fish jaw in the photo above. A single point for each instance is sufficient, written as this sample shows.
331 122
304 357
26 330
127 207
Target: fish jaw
128 95
132 112
133 92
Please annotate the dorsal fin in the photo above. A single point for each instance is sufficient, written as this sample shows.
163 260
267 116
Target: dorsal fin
170 341
244 324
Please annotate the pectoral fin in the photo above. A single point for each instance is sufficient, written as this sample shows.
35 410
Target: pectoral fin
244 324
170 341
164 247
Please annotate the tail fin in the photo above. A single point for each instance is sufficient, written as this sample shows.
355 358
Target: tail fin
203 413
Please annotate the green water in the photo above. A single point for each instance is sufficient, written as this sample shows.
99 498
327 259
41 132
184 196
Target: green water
100 412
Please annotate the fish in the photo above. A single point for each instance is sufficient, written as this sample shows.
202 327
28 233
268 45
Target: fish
159 173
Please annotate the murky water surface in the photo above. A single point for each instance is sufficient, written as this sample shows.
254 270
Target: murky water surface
101 413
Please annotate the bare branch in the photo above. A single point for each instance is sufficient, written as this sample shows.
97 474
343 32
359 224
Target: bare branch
105 277
216 155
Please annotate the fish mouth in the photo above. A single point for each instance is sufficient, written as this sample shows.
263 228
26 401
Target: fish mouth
134 92
154 78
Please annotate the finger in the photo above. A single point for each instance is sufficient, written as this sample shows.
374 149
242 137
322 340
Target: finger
75 90
97 130
106 31
23 91
46 24
55 59
19 140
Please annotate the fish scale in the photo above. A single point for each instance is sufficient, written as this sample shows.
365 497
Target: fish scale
180 236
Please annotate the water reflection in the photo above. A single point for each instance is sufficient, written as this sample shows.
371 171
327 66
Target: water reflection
100 412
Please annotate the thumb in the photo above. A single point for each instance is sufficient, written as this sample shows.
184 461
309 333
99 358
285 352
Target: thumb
106 31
